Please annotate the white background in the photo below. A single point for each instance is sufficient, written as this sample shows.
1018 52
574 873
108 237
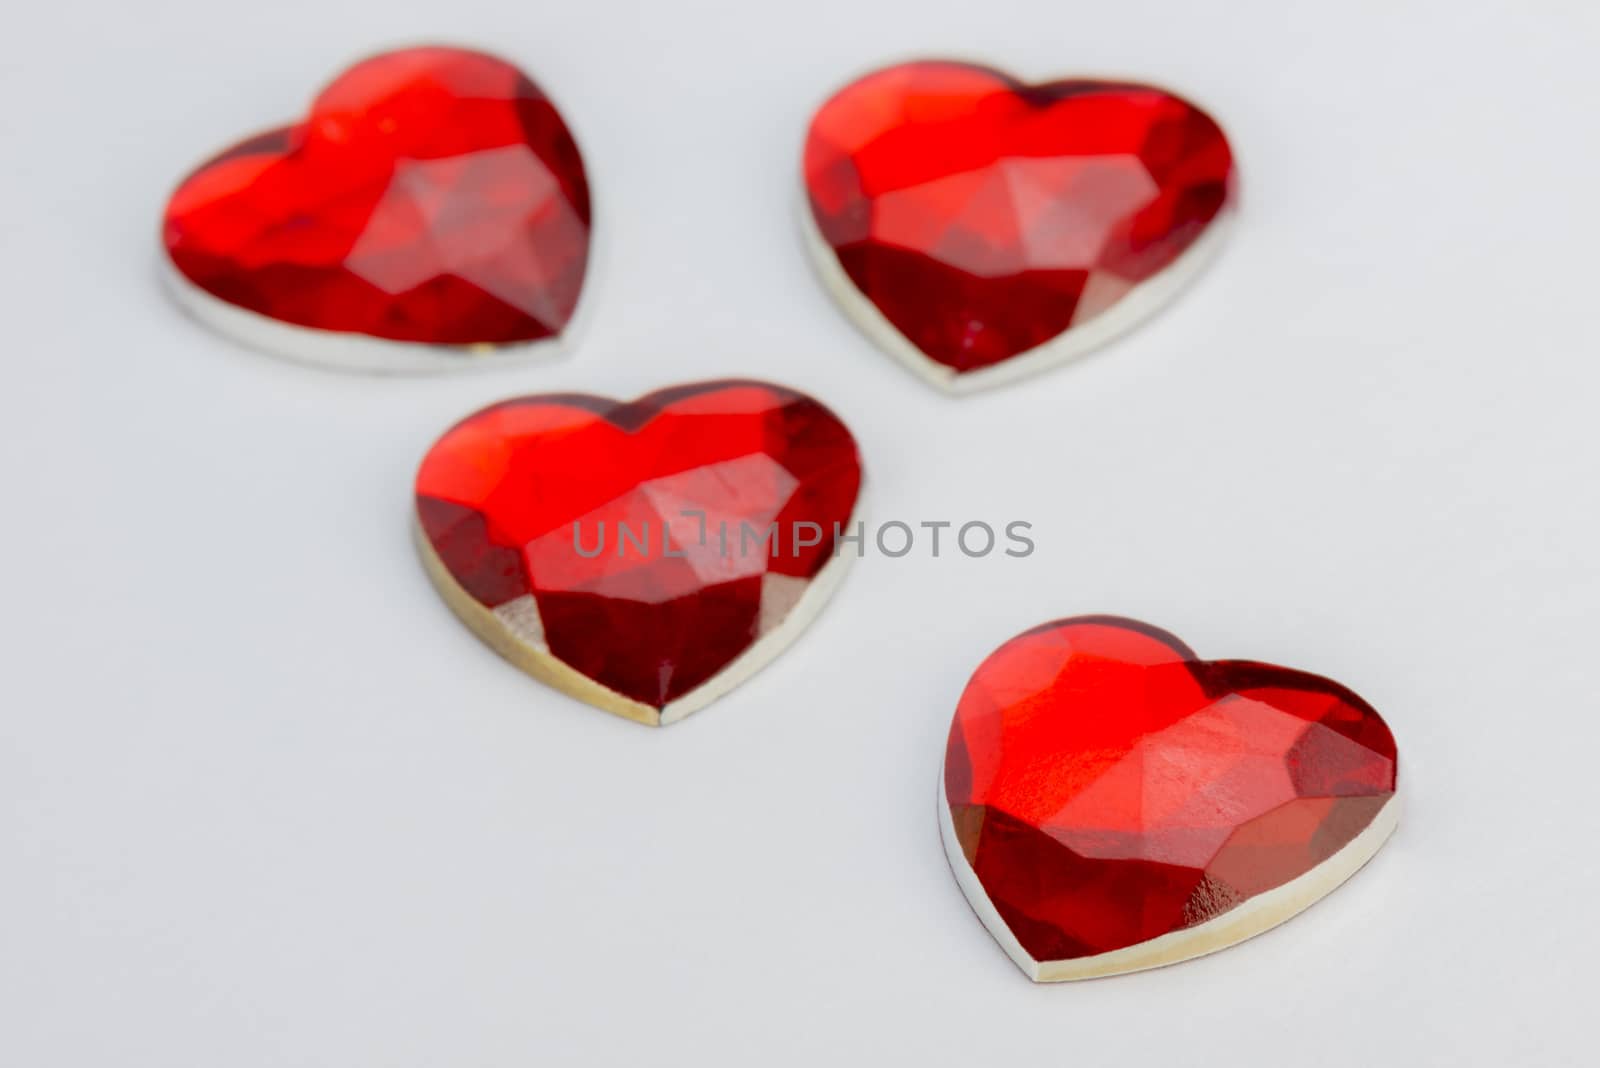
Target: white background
263 801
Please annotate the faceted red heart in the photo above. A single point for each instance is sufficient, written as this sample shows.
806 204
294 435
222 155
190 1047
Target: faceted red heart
970 220
1115 803
642 556
431 195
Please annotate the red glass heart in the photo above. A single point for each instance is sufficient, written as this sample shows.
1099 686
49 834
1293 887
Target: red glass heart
981 218
431 195
1115 802
623 551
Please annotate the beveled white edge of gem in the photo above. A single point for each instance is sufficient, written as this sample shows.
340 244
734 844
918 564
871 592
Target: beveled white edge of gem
493 627
1139 303
350 351
1256 915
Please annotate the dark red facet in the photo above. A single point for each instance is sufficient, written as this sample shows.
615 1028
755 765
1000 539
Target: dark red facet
516 498
1107 787
431 195
984 217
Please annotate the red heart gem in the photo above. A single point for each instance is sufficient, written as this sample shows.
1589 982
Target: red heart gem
642 556
970 220
1114 803
431 195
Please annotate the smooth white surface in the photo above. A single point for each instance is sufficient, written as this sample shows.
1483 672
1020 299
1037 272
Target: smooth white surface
265 802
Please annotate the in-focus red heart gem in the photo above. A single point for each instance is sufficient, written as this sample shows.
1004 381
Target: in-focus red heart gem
1114 803
644 556
432 195
967 220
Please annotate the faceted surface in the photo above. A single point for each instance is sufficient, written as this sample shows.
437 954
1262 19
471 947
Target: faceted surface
517 499
984 217
1108 788
431 195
